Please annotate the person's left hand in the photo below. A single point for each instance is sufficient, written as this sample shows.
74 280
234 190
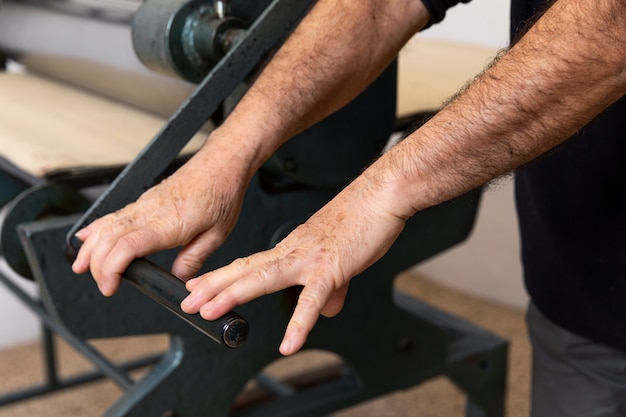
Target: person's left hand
346 236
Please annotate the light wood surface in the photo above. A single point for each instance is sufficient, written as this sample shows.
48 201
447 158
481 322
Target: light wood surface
46 126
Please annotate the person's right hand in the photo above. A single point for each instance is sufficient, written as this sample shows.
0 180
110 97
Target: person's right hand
195 208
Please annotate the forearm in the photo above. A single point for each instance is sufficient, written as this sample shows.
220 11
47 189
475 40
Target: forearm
340 47
567 69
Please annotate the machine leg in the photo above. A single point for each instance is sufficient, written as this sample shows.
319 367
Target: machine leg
50 357
483 379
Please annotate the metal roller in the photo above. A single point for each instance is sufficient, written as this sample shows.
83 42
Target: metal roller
184 38
230 330
89 43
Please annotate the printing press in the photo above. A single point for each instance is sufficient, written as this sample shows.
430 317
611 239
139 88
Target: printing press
99 100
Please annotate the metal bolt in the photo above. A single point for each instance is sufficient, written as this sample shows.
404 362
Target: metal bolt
222 8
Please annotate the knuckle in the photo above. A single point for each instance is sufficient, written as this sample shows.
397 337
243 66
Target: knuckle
192 264
310 301
262 279
126 243
241 264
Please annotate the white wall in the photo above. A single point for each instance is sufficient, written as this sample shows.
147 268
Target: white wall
18 324
481 22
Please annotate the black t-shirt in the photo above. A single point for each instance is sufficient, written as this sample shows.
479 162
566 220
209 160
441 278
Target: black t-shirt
572 212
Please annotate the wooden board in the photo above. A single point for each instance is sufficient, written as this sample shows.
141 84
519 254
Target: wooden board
47 126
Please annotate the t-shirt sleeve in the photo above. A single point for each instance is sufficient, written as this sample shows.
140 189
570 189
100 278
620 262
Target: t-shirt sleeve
438 8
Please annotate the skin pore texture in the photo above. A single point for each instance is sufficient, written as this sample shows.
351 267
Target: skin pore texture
568 67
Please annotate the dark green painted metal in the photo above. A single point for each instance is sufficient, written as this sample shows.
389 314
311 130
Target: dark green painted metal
34 203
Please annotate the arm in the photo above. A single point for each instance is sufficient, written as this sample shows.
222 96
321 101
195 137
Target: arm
568 68
338 49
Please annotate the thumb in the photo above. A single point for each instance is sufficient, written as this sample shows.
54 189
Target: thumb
192 256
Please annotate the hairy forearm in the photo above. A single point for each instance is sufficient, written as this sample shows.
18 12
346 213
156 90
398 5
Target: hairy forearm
340 47
567 69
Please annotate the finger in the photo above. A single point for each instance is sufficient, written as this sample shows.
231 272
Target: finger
84 233
112 254
107 267
200 292
94 236
192 256
116 262
240 292
192 283
83 257
243 280
335 302
127 248
312 300
81 263
90 249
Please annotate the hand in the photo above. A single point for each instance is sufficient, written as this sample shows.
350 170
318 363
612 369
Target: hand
196 207
346 236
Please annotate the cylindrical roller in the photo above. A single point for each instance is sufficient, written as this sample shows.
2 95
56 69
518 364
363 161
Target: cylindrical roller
90 50
231 330
89 44
181 38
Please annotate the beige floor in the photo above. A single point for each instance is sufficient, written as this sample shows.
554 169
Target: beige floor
22 366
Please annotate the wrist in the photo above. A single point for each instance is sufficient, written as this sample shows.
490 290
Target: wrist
388 187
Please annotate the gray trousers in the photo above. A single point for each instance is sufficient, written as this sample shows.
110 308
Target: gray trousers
573 376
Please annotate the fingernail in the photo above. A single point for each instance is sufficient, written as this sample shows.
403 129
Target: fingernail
207 311
187 302
285 347
105 288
